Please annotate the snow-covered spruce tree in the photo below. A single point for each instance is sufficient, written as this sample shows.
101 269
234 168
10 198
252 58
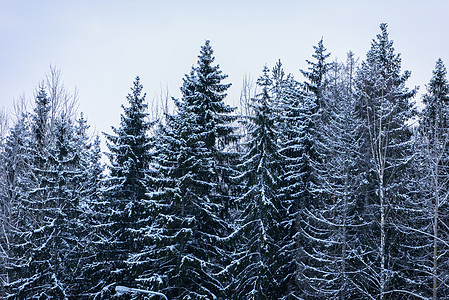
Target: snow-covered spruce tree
427 224
259 237
31 273
46 243
316 74
333 223
185 251
287 100
301 108
215 115
67 179
384 106
14 161
88 188
95 213
125 191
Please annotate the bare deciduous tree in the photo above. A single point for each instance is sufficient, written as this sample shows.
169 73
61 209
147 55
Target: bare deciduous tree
62 101
248 92
4 124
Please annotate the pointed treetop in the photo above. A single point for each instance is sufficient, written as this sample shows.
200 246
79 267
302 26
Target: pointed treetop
315 76
382 49
136 101
136 90
206 54
278 71
439 85
384 33
382 38
203 87
82 126
207 73
383 67
264 80
437 97
42 101
42 109
320 52
317 69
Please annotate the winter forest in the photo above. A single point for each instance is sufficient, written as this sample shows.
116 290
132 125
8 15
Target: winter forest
334 186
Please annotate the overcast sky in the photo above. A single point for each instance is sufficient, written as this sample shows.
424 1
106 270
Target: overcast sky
101 46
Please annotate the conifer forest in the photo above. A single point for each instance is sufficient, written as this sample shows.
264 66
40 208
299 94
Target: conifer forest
332 186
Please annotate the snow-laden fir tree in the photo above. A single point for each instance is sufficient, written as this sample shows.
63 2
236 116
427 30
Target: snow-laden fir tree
290 106
384 106
46 247
125 192
316 74
89 186
428 221
216 117
95 212
259 232
300 110
15 161
67 180
333 223
185 250
31 273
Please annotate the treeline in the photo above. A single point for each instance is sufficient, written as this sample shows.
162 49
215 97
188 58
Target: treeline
331 188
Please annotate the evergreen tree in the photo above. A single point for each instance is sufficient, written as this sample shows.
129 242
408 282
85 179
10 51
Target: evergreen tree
427 221
334 222
65 178
301 111
291 108
316 75
384 107
32 275
41 121
95 213
46 242
259 234
185 241
88 188
125 191
15 162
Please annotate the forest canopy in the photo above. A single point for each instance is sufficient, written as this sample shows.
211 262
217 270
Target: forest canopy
333 187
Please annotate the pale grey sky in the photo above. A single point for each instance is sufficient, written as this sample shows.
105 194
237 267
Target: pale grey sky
101 46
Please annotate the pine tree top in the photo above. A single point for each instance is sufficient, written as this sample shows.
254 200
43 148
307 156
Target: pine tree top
129 145
435 113
318 68
382 55
315 76
438 84
381 71
209 76
202 101
40 117
265 81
